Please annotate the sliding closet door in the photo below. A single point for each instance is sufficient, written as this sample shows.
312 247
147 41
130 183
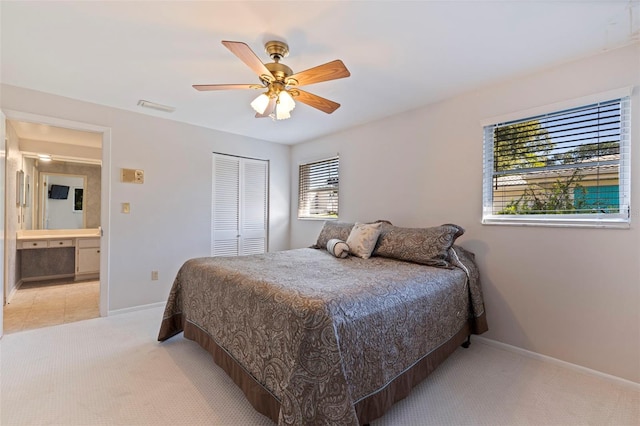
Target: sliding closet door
239 212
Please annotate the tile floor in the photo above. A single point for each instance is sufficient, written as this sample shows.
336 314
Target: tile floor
43 304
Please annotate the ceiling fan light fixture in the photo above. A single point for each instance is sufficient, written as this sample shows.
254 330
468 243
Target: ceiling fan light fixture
285 101
280 82
282 114
260 103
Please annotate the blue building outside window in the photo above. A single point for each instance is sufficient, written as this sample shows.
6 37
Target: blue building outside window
602 199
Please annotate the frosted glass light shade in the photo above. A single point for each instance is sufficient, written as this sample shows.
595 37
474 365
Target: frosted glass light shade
285 101
260 103
281 113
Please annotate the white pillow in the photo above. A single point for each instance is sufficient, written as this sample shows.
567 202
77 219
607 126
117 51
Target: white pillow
362 239
338 248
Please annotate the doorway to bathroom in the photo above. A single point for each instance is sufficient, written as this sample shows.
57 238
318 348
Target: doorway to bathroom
55 263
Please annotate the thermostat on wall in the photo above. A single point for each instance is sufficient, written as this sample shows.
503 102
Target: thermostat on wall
132 176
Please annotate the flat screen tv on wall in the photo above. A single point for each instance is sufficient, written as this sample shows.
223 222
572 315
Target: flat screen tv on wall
58 192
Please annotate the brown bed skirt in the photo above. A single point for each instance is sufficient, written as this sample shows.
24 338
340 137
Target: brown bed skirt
367 409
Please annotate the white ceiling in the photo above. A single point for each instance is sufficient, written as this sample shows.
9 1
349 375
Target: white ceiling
401 55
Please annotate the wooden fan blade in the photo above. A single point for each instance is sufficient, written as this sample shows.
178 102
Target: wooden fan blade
270 107
246 55
315 101
207 87
329 71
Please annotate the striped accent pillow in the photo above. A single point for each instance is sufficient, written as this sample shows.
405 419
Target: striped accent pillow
338 248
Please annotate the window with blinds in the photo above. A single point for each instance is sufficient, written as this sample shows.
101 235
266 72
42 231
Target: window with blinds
569 167
318 189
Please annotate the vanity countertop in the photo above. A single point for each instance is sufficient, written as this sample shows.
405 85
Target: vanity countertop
46 234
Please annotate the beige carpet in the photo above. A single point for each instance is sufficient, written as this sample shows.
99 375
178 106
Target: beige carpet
111 371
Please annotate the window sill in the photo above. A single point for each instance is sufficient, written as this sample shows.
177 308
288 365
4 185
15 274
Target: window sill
317 218
612 223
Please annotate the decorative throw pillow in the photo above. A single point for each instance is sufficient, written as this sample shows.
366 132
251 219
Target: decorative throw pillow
333 229
362 239
385 227
428 246
338 248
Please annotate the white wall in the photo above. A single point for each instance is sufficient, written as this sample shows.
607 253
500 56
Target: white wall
572 294
2 202
171 212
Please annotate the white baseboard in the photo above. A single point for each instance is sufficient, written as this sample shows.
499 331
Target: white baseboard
136 308
13 292
558 362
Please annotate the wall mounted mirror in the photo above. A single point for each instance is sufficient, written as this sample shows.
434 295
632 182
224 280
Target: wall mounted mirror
57 204
62 195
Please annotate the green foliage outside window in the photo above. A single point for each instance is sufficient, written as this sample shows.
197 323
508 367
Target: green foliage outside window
555 198
520 146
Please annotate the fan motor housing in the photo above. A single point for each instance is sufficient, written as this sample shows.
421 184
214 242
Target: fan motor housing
279 71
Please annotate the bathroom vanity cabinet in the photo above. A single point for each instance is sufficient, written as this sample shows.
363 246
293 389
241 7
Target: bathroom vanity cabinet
50 254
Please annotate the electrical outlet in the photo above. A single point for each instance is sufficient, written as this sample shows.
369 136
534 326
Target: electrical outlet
154 275
126 208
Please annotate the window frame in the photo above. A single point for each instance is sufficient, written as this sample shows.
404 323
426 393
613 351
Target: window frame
304 213
619 219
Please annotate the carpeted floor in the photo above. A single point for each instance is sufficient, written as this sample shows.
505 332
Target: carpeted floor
112 371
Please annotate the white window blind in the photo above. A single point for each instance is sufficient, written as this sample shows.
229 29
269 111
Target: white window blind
568 167
318 189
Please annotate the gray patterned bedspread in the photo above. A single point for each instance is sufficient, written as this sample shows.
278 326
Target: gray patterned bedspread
321 333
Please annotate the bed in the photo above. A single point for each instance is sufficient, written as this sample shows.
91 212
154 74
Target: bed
315 339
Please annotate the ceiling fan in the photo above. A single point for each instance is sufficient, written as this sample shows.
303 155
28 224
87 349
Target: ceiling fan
281 84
